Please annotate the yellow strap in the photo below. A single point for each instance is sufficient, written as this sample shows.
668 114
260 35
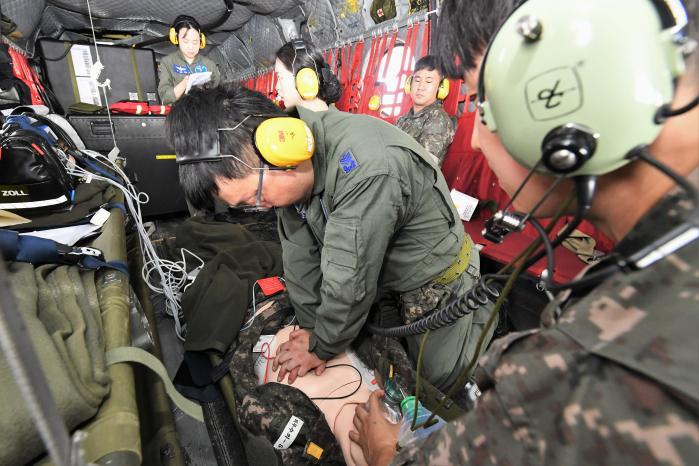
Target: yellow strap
459 265
131 354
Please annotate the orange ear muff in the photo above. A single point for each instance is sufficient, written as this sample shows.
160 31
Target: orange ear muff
443 90
407 84
202 42
173 36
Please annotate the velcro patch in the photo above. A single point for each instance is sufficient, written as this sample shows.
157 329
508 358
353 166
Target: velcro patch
179 69
348 162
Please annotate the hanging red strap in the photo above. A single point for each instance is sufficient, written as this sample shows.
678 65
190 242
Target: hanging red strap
389 56
343 77
362 85
336 60
372 74
406 52
425 38
405 106
354 83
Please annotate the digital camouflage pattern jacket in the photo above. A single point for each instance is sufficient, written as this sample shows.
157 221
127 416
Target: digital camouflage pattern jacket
431 127
614 382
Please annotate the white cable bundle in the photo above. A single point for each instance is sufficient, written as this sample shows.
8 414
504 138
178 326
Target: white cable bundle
171 275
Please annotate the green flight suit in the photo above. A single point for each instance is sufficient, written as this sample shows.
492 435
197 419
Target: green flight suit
379 221
173 68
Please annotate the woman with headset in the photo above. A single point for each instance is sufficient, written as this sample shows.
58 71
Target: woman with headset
175 69
304 78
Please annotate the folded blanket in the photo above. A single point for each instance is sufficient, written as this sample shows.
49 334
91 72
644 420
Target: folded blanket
62 315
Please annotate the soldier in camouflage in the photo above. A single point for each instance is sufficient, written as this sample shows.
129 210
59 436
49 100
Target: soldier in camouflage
427 121
612 377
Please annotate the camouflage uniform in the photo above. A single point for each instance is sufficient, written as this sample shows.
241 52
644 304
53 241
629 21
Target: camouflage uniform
614 382
431 127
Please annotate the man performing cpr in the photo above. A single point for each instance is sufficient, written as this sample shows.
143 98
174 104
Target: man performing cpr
364 215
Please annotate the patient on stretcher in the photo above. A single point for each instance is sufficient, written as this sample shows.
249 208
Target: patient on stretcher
336 392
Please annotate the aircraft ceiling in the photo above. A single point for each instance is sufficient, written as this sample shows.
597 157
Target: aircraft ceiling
243 34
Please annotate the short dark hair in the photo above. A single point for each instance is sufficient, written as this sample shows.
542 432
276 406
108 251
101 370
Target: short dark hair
429 63
185 22
464 30
192 126
330 89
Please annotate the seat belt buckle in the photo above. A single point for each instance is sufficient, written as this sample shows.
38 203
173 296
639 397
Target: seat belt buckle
75 254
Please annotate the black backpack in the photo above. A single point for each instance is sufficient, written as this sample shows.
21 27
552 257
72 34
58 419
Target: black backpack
33 178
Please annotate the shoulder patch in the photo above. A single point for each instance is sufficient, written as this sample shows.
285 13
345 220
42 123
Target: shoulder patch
179 69
348 162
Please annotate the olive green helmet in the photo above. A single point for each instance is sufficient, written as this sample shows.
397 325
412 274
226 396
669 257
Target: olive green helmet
571 87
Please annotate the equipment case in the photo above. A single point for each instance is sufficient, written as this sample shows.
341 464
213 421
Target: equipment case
67 65
150 161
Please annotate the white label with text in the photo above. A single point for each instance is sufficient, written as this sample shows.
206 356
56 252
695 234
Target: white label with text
289 434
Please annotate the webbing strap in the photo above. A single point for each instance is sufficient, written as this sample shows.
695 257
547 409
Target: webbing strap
413 41
356 76
372 72
426 38
136 75
71 73
137 355
388 54
459 266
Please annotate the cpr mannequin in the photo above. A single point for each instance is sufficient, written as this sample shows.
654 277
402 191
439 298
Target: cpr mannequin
335 382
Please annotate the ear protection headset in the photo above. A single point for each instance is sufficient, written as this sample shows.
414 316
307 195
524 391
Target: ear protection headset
306 79
178 23
282 142
442 91
565 93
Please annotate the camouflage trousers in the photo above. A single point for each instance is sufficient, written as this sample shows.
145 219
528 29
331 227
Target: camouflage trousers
449 349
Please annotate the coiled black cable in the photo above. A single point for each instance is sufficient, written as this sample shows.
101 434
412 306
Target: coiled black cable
484 291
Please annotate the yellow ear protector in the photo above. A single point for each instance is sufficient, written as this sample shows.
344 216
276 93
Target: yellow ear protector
179 22
442 91
374 102
283 142
306 79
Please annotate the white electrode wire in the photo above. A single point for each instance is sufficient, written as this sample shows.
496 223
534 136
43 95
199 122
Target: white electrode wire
97 54
152 263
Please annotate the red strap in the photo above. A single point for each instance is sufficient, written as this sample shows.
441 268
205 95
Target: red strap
372 72
356 76
426 38
413 44
406 49
388 54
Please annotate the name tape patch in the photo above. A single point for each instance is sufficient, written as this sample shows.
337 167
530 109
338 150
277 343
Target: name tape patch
289 434
348 162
